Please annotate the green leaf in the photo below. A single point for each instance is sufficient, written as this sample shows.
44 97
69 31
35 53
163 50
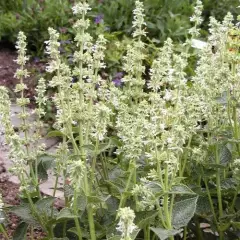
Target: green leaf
225 156
164 233
73 230
203 207
115 238
68 191
23 211
97 199
132 235
45 162
42 172
54 133
144 218
65 213
44 205
85 233
183 211
181 189
20 232
228 184
103 147
82 202
236 225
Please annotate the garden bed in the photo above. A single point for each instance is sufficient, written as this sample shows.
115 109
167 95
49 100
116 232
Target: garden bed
10 193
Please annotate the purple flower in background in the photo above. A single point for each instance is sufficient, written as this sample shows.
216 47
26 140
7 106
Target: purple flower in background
65 42
119 75
63 29
17 16
36 60
98 19
117 80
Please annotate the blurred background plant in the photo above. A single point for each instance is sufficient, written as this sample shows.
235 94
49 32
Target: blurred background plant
164 18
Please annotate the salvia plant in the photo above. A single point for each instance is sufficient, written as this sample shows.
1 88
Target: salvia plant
156 156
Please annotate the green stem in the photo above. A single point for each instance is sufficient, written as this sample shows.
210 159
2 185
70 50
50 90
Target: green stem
160 215
35 213
147 233
26 137
210 201
199 232
54 193
165 203
234 199
4 232
123 198
76 220
185 233
91 222
185 158
65 223
218 182
236 132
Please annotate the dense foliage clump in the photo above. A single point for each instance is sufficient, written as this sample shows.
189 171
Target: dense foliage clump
151 154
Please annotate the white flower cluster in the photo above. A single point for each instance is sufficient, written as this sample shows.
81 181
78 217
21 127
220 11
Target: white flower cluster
40 98
196 19
126 225
76 171
81 8
146 198
138 22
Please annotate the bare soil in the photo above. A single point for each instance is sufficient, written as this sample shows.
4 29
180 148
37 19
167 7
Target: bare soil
8 67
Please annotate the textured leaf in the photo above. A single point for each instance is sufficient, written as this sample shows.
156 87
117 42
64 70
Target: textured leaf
164 233
225 156
44 163
154 186
23 211
82 202
68 190
228 184
85 233
44 205
42 172
54 133
97 199
144 218
203 207
132 236
65 213
183 211
20 231
181 189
